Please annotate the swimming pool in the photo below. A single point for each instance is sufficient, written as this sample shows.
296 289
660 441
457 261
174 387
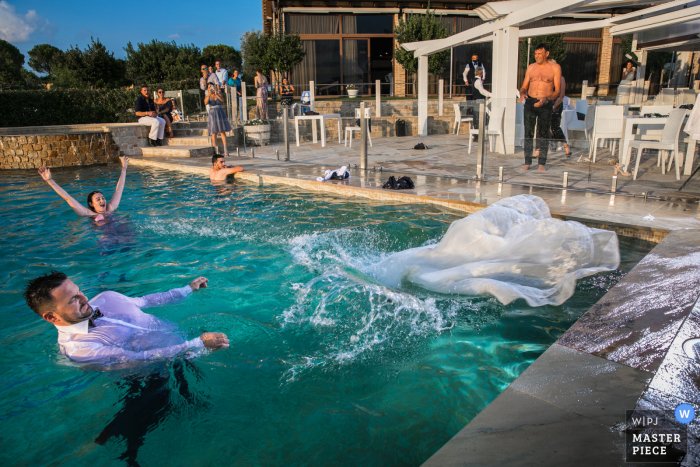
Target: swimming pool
326 366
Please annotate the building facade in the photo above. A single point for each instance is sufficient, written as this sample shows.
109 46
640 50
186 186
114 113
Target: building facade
352 43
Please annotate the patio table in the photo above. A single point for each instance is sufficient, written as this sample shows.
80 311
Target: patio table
322 119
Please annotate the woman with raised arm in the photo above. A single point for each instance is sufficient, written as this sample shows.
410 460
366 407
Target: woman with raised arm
97 205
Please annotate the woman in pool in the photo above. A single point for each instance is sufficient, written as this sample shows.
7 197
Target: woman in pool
97 205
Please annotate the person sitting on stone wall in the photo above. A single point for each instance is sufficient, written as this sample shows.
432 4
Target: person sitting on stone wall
97 205
145 109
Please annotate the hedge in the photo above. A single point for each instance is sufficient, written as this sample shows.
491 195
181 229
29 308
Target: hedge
78 106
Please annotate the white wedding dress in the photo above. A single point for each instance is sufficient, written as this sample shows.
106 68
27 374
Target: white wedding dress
512 249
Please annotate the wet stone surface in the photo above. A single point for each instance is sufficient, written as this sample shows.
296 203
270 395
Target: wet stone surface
584 384
635 322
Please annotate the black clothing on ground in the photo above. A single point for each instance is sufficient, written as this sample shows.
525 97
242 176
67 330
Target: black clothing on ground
539 117
144 105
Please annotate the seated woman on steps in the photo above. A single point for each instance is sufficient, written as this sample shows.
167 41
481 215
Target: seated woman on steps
164 109
97 205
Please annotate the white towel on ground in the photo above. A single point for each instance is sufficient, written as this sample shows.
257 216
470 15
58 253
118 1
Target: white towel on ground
340 173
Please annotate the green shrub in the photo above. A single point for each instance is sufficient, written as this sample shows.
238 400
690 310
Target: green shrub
79 106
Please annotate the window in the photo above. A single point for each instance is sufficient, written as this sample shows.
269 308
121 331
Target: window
368 24
311 24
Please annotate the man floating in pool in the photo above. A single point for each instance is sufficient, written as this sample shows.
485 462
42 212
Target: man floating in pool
97 204
219 171
111 328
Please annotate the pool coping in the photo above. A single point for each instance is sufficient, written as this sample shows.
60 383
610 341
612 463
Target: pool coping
595 220
554 413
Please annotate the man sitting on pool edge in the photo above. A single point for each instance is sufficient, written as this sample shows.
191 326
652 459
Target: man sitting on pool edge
219 171
111 328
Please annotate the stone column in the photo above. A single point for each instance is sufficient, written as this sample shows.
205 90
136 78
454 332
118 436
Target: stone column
399 72
605 63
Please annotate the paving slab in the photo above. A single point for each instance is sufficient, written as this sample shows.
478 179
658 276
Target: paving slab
517 429
585 384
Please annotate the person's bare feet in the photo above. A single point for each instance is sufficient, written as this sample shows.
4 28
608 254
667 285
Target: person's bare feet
541 168
525 168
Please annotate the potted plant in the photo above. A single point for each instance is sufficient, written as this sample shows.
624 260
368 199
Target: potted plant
257 132
352 90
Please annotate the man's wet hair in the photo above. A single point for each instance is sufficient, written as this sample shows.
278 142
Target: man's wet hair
541 46
215 157
37 294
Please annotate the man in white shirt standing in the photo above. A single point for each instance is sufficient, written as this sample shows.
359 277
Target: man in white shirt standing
469 75
479 93
111 328
221 73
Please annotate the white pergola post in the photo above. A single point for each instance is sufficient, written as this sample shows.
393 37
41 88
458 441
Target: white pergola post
505 80
423 95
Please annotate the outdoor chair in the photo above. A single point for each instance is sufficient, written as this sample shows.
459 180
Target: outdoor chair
581 106
608 125
586 125
459 119
305 103
669 142
519 125
623 94
350 129
602 102
687 96
494 130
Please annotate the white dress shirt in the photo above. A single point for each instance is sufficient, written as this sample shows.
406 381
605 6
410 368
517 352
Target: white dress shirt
222 75
479 85
124 332
466 70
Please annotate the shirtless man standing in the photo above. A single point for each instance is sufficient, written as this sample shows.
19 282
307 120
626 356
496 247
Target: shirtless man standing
219 171
540 90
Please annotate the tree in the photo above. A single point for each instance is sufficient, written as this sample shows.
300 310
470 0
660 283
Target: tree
557 49
43 57
229 57
286 50
157 62
255 48
11 61
95 67
420 28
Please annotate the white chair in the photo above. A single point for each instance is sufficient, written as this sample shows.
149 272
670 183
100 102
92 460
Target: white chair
601 102
623 94
519 123
587 126
669 142
608 125
350 129
459 119
581 106
494 130
687 96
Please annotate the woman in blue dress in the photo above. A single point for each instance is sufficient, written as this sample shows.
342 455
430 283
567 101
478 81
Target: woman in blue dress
218 123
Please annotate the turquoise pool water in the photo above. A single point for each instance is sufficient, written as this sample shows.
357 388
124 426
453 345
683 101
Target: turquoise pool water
326 366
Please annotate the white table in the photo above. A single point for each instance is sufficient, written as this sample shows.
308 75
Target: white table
322 119
627 134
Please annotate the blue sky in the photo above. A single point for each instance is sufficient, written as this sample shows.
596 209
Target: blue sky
70 22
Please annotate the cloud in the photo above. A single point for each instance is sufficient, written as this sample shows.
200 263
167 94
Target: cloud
174 36
16 27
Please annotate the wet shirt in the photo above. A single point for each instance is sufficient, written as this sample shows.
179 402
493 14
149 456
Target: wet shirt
124 332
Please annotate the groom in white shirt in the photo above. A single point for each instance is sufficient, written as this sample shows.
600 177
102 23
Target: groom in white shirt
111 328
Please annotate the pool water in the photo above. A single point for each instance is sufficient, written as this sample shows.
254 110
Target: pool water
326 366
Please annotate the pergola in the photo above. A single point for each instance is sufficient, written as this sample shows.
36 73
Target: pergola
671 25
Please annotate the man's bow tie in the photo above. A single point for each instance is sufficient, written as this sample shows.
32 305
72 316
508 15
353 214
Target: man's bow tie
97 314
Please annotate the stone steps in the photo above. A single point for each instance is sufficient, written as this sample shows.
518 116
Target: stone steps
203 140
177 151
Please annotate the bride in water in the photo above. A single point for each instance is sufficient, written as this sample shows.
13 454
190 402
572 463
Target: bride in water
97 204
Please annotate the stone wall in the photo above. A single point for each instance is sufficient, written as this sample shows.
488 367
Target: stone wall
129 139
30 152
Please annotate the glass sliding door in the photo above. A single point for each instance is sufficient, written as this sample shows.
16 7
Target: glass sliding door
356 63
327 67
